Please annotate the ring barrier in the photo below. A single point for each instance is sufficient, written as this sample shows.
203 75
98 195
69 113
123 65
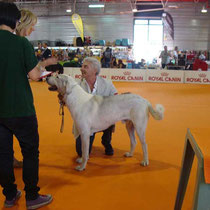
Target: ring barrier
148 75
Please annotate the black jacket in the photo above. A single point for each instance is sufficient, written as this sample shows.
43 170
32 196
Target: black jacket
47 53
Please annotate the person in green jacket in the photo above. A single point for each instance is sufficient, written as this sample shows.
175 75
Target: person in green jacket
17 111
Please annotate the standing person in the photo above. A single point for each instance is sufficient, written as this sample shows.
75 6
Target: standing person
164 55
27 23
47 52
103 65
175 55
26 26
17 112
66 55
107 57
92 83
38 51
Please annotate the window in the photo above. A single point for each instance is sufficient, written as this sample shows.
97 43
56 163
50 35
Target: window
148 39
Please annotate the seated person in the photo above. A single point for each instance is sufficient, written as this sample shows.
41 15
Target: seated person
200 64
113 62
121 65
142 63
202 56
92 83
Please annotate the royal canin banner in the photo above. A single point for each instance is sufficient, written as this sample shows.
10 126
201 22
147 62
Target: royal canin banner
199 77
165 76
76 73
105 73
128 75
145 75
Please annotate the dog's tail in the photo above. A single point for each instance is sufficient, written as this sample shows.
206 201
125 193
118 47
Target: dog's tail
158 112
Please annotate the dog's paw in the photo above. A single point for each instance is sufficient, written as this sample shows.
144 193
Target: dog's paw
79 160
128 154
79 168
145 162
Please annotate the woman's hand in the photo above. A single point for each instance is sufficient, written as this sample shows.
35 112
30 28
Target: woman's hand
49 61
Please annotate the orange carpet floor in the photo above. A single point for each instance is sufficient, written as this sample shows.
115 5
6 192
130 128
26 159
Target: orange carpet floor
118 183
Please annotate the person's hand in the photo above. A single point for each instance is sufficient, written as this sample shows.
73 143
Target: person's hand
50 61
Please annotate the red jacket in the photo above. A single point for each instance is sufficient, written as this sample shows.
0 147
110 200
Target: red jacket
199 64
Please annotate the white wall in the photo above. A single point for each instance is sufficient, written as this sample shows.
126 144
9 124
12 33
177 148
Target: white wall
54 23
191 27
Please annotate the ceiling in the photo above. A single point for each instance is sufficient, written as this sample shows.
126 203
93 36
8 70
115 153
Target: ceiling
112 7
104 1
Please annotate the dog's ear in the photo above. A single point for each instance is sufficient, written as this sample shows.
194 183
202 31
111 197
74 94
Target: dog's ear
68 87
69 83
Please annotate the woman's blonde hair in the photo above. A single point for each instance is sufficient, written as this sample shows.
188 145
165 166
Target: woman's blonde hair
27 19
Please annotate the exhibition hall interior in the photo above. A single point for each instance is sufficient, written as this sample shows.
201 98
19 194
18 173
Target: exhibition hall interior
138 70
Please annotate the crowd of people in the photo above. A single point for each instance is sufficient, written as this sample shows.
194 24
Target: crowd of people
170 59
188 60
74 58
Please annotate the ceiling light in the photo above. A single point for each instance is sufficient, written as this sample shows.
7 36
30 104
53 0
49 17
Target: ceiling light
68 10
173 6
134 10
163 14
96 5
204 10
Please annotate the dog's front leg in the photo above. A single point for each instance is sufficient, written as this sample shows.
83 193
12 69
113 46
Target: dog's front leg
85 152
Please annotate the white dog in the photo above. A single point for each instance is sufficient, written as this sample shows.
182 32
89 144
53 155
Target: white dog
93 113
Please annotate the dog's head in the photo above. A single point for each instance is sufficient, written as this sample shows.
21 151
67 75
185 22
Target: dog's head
61 83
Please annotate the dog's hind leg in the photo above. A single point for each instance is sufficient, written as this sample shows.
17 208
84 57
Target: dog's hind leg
141 135
140 124
85 152
131 132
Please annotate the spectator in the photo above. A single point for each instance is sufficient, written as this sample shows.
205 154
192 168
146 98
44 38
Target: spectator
175 55
103 64
200 65
142 63
107 57
165 56
113 62
47 52
121 65
39 51
66 55
202 56
17 112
